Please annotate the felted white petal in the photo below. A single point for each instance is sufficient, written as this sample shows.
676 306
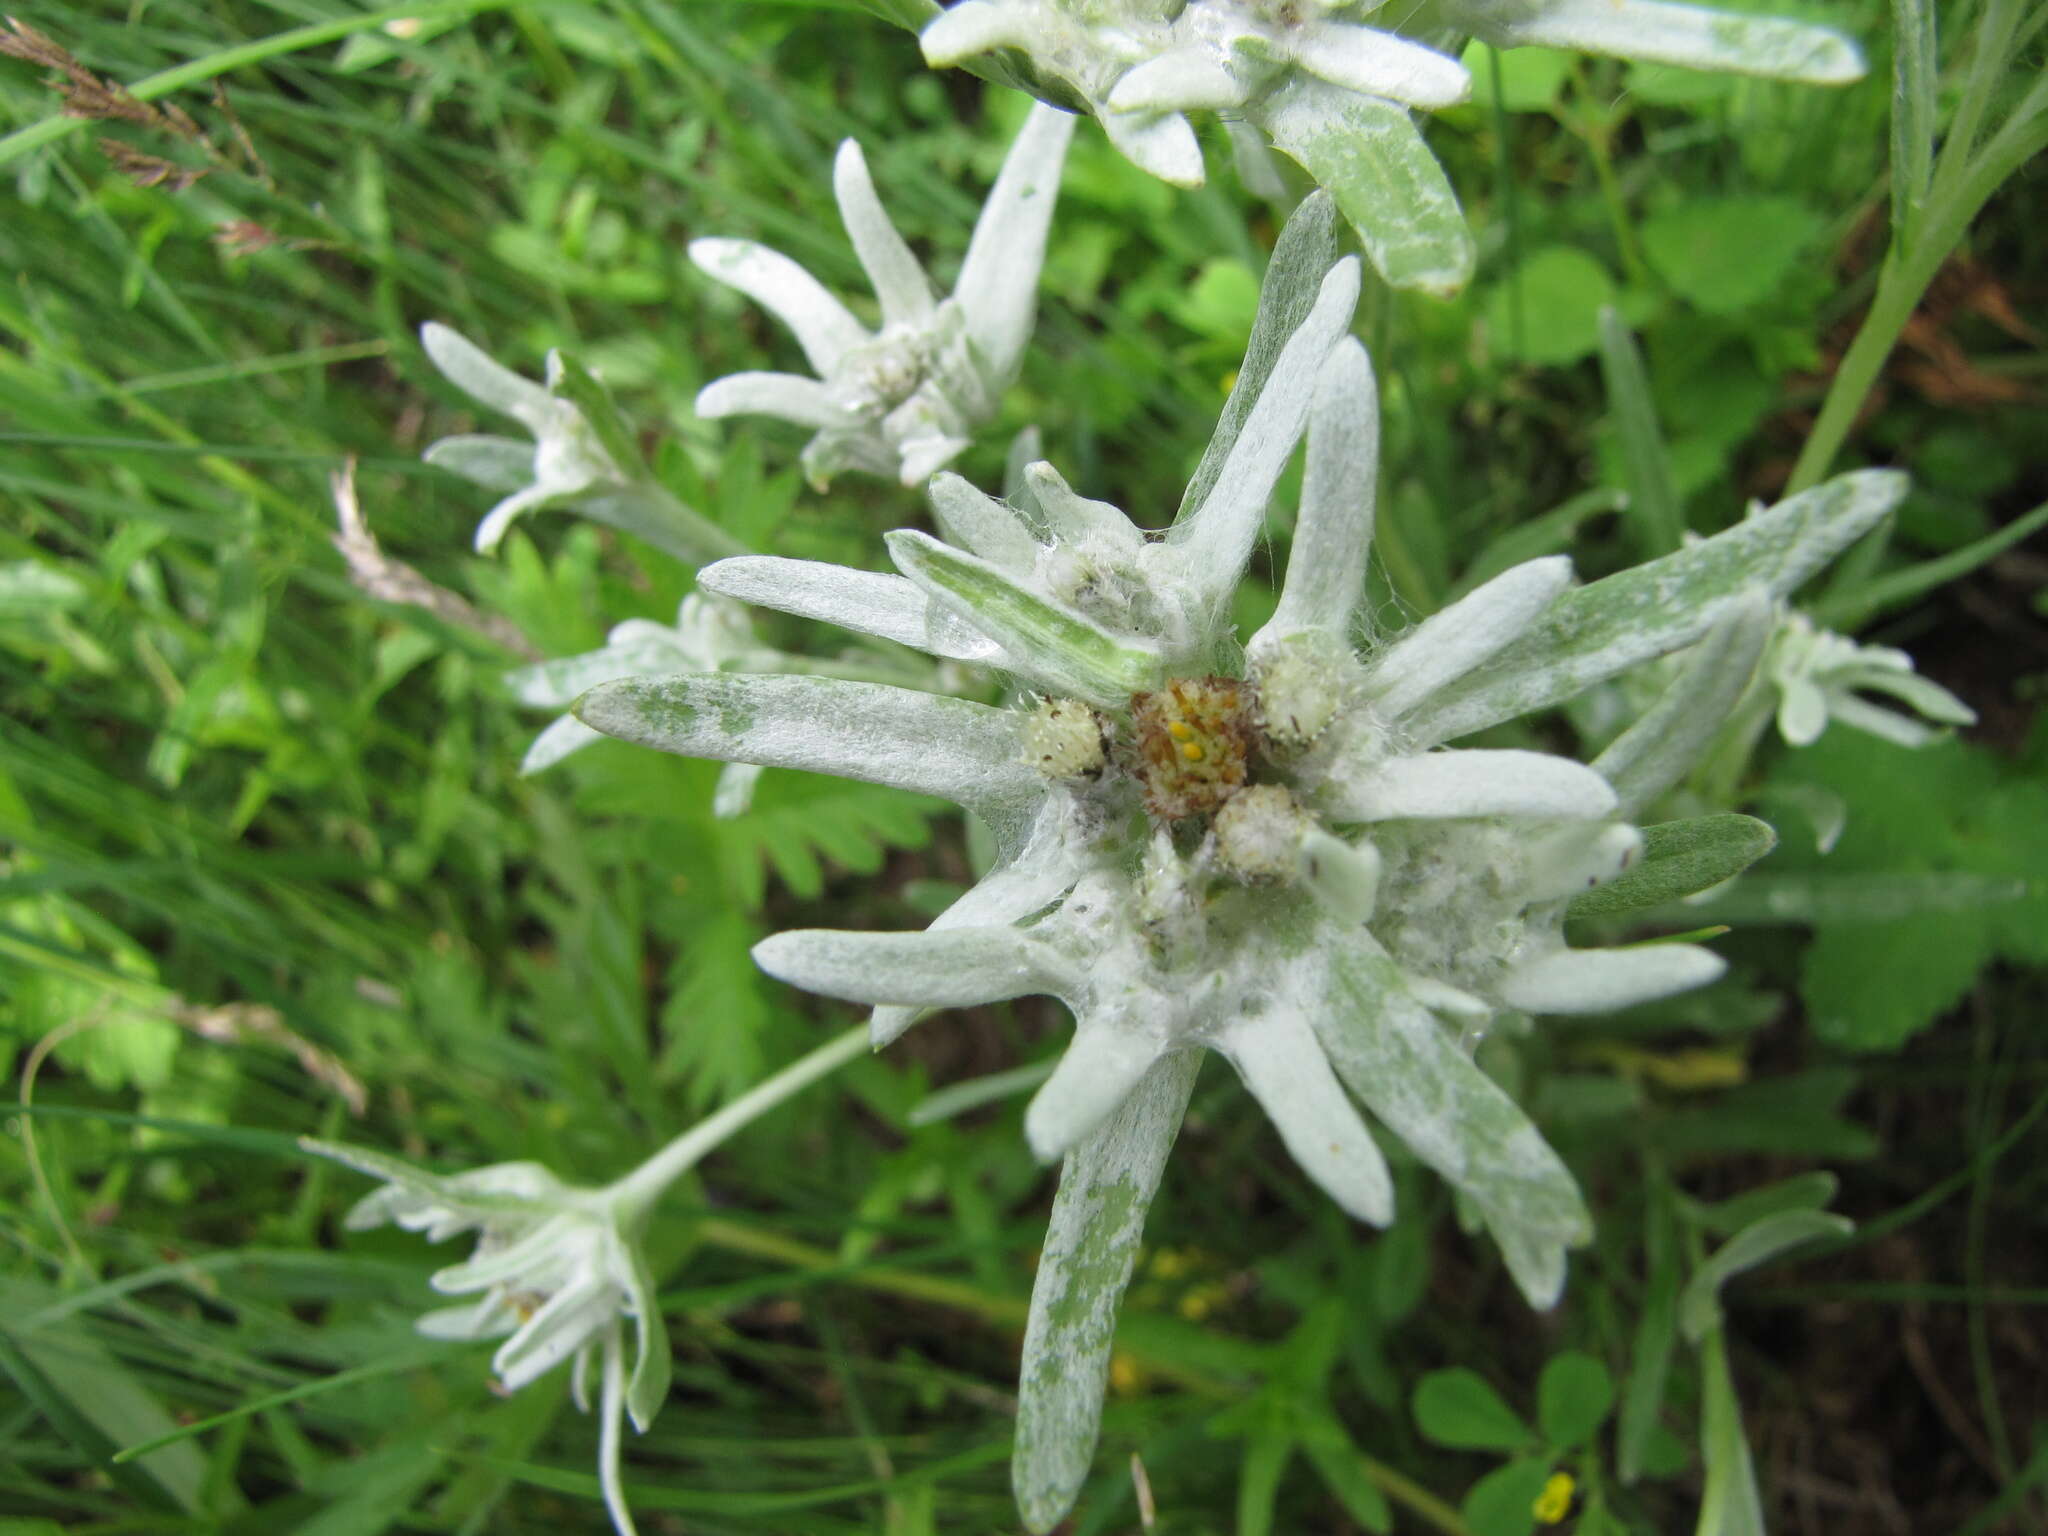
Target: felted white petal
898 278
1345 877
1042 871
1688 35
734 793
1674 733
922 457
1881 723
1055 646
1218 539
1282 1063
1596 631
1802 711
1600 980
563 1325
473 371
1180 80
998 286
821 324
610 1483
968 753
947 968
508 1264
1339 488
1072 518
1922 694
485 1319
1091 1243
1436 785
981 524
971 27
787 396
497 522
1095 1075
1450 643
497 463
1162 146
866 602
1574 859
1442 997
647 1383
561 738
1381 64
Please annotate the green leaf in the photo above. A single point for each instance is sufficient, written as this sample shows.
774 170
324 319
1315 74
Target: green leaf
93 1400
1656 1335
1806 1191
1050 643
1547 310
1726 254
36 589
1456 1407
1915 81
1573 1397
1342 1467
1797 1116
1650 610
1699 1306
1729 1504
1503 1503
1646 462
1098 1218
1369 155
1267 1450
1679 858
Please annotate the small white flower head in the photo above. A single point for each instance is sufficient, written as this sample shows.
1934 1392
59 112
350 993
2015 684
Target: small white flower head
1336 908
1820 677
1331 82
901 401
556 1272
566 461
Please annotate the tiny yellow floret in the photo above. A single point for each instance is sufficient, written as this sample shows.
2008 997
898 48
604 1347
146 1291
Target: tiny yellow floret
1192 751
1555 1501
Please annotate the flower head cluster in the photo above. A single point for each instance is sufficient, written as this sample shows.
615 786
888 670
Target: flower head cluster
1266 850
1820 677
581 454
903 400
564 462
1330 81
556 1271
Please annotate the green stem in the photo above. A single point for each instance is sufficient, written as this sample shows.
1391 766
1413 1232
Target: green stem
1961 189
638 1190
227 60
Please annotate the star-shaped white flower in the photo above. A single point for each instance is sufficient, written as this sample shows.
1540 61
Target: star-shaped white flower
556 1272
903 400
1268 851
1820 677
569 461
1330 82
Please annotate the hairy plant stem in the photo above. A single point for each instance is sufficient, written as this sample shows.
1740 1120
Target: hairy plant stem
634 1194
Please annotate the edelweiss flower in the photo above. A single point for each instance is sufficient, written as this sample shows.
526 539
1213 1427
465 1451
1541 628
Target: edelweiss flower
571 460
1329 82
1818 675
904 400
556 1268
1263 852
